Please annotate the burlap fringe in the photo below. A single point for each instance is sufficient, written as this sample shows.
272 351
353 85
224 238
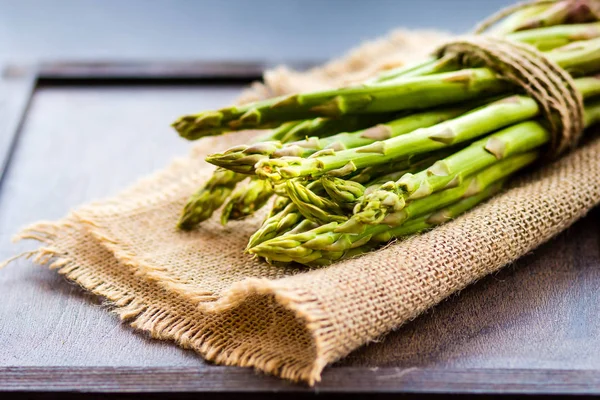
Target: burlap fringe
185 332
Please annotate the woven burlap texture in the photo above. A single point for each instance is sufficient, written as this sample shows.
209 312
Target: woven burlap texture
200 290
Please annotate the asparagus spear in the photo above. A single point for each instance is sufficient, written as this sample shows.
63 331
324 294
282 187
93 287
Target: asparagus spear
276 225
469 126
372 173
210 197
327 241
324 127
243 158
347 192
545 39
246 199
516 19
563 11
393 95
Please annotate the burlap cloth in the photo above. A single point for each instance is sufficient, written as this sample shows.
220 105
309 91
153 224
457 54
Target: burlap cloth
200 290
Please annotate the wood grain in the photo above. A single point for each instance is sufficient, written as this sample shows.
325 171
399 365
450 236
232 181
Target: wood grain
335 380
532 328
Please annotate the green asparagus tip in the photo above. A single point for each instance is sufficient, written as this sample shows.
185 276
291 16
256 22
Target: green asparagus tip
186 223
375 206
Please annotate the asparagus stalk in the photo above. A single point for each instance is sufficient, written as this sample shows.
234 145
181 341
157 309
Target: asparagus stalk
324 127
276 225
372 173
243 158
211 196
563 11
545 39
328 242
516 19
246 199
393 95
486 119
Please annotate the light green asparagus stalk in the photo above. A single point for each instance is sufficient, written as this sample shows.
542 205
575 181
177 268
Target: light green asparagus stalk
481 121
372 173
243 158
246 199
546 39
327 242
324 127
276 225
434 90
516 19
393 95
572 10
210 197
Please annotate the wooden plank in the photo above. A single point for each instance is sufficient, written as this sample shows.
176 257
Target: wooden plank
532 328
335 380
80 144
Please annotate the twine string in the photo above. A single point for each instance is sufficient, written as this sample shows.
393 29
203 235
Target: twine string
542 79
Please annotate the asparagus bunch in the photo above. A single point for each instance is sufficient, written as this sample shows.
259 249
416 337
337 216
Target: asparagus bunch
242 159
358 166
392 209
327 243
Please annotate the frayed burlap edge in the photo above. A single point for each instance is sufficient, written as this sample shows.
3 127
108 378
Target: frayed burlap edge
310 296
160 323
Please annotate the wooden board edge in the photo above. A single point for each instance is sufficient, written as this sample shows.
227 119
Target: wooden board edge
73 73
335 380
19 98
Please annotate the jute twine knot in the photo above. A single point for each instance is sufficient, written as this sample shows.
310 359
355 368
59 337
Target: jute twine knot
547 83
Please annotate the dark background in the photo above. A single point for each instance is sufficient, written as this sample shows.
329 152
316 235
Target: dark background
257 30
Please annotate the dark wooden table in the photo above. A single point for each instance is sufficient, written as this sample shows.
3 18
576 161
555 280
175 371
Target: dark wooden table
533 328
